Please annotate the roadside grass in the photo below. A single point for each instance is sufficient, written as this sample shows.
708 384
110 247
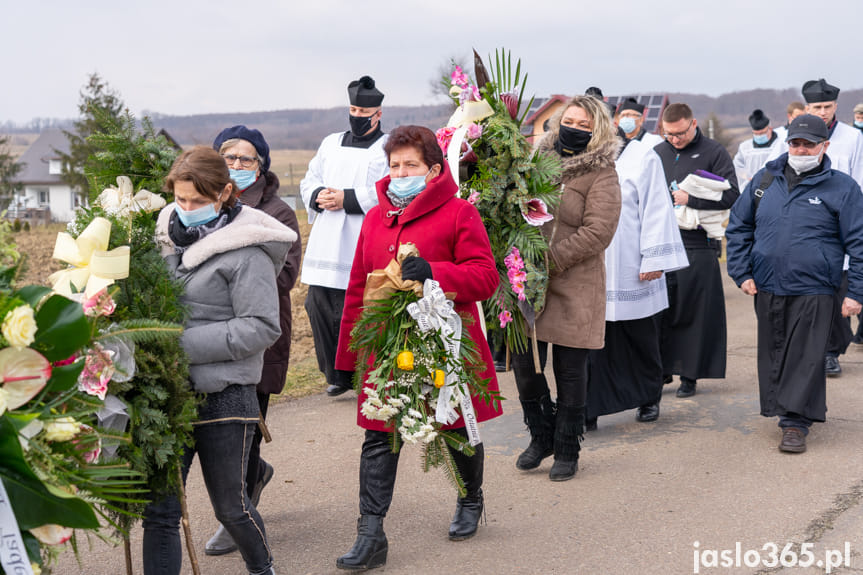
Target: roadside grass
303 380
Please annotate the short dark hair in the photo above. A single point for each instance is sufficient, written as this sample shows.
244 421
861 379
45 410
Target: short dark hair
418 137
676 112
206 169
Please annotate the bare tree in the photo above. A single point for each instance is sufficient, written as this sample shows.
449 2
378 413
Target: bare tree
439 82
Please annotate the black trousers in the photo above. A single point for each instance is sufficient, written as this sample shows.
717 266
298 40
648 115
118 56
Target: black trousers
324 306
840 331
570 374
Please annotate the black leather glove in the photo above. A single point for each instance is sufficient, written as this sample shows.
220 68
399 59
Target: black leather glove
414 268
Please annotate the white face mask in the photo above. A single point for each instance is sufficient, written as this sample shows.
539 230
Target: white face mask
802 164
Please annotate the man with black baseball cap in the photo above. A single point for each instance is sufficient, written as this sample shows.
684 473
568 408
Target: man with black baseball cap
846 155
752 153
788 234
338 190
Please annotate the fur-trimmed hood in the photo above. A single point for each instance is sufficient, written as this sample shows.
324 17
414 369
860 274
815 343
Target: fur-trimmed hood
587 161
250 227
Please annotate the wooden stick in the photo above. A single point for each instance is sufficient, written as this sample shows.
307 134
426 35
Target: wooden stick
187 528
535 346
127 550
265 431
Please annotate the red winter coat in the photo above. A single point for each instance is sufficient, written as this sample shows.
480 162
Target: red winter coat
450 235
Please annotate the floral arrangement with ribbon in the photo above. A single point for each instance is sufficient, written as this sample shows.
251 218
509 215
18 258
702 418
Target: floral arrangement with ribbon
422 366
58 471
514 190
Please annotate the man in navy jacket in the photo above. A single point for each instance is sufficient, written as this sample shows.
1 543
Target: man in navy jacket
787 237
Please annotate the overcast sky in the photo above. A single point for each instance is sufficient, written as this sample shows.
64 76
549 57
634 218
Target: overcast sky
200 56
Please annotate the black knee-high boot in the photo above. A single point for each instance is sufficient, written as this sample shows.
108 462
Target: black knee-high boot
539 418
568 432
469 508
378 466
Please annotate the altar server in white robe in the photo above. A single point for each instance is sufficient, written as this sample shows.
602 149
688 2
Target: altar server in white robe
627 373
753 152
338 190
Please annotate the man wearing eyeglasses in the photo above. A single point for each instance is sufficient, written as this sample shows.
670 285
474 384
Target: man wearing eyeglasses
846 155
787 238
694 325
338 190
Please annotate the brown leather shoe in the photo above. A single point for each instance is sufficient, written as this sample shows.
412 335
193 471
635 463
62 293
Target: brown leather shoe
793 440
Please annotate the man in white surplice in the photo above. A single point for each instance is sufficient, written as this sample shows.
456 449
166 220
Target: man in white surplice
338 191
627 373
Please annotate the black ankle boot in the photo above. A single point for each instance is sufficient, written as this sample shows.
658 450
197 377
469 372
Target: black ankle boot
539 418
370 548
468 509
568 433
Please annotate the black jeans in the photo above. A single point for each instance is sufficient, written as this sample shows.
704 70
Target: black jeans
223 451
570 374
378 467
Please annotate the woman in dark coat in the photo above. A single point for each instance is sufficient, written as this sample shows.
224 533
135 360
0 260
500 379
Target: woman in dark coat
248 157
454 250
574 316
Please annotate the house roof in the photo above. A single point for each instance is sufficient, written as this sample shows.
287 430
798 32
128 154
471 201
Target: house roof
37 156
540 105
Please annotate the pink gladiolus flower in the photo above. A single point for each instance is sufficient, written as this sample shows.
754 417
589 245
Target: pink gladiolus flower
23 374
100 304
444 136
459 78
505 317
510 100
473 198
537 213
92 455
97 372
513 260
474 131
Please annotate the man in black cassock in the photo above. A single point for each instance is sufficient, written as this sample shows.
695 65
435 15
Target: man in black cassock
787 236
693 337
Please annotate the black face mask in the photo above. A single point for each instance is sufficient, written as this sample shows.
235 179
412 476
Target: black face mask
360 125
571 141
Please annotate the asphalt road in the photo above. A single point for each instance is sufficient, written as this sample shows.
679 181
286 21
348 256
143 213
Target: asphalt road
702 490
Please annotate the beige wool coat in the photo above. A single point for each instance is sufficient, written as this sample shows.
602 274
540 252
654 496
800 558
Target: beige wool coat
584 224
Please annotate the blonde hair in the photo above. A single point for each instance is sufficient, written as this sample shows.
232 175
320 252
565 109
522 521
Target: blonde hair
600 117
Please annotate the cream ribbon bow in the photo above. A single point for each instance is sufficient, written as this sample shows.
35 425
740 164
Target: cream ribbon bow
93 266
434 312
121 201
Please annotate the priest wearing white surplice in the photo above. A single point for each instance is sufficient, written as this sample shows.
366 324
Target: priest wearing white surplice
627 373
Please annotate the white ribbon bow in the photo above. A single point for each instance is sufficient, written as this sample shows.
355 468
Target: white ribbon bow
434 312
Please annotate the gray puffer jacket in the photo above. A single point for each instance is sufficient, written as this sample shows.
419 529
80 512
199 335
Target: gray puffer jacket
231 295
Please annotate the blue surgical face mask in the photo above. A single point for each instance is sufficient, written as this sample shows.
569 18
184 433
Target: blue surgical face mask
858 123
244 178
760 139
408 186
627 125
197 217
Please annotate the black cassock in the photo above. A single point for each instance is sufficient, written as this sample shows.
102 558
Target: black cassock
627 372
792 336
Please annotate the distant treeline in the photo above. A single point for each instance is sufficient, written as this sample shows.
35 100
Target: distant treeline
304 129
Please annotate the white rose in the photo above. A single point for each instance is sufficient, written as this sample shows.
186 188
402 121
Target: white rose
61 429
19 326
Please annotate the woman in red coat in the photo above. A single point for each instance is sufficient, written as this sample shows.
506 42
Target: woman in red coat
418 205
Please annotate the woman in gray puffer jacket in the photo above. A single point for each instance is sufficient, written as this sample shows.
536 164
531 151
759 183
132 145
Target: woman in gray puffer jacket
227 257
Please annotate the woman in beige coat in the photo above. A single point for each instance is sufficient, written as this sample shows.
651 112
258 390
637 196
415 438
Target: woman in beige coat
573 320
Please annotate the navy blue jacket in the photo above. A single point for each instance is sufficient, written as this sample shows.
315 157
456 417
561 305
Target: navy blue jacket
796 243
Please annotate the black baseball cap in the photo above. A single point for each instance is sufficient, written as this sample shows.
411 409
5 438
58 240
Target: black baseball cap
807 127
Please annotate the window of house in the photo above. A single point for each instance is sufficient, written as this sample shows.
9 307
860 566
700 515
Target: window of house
55 167
43 196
